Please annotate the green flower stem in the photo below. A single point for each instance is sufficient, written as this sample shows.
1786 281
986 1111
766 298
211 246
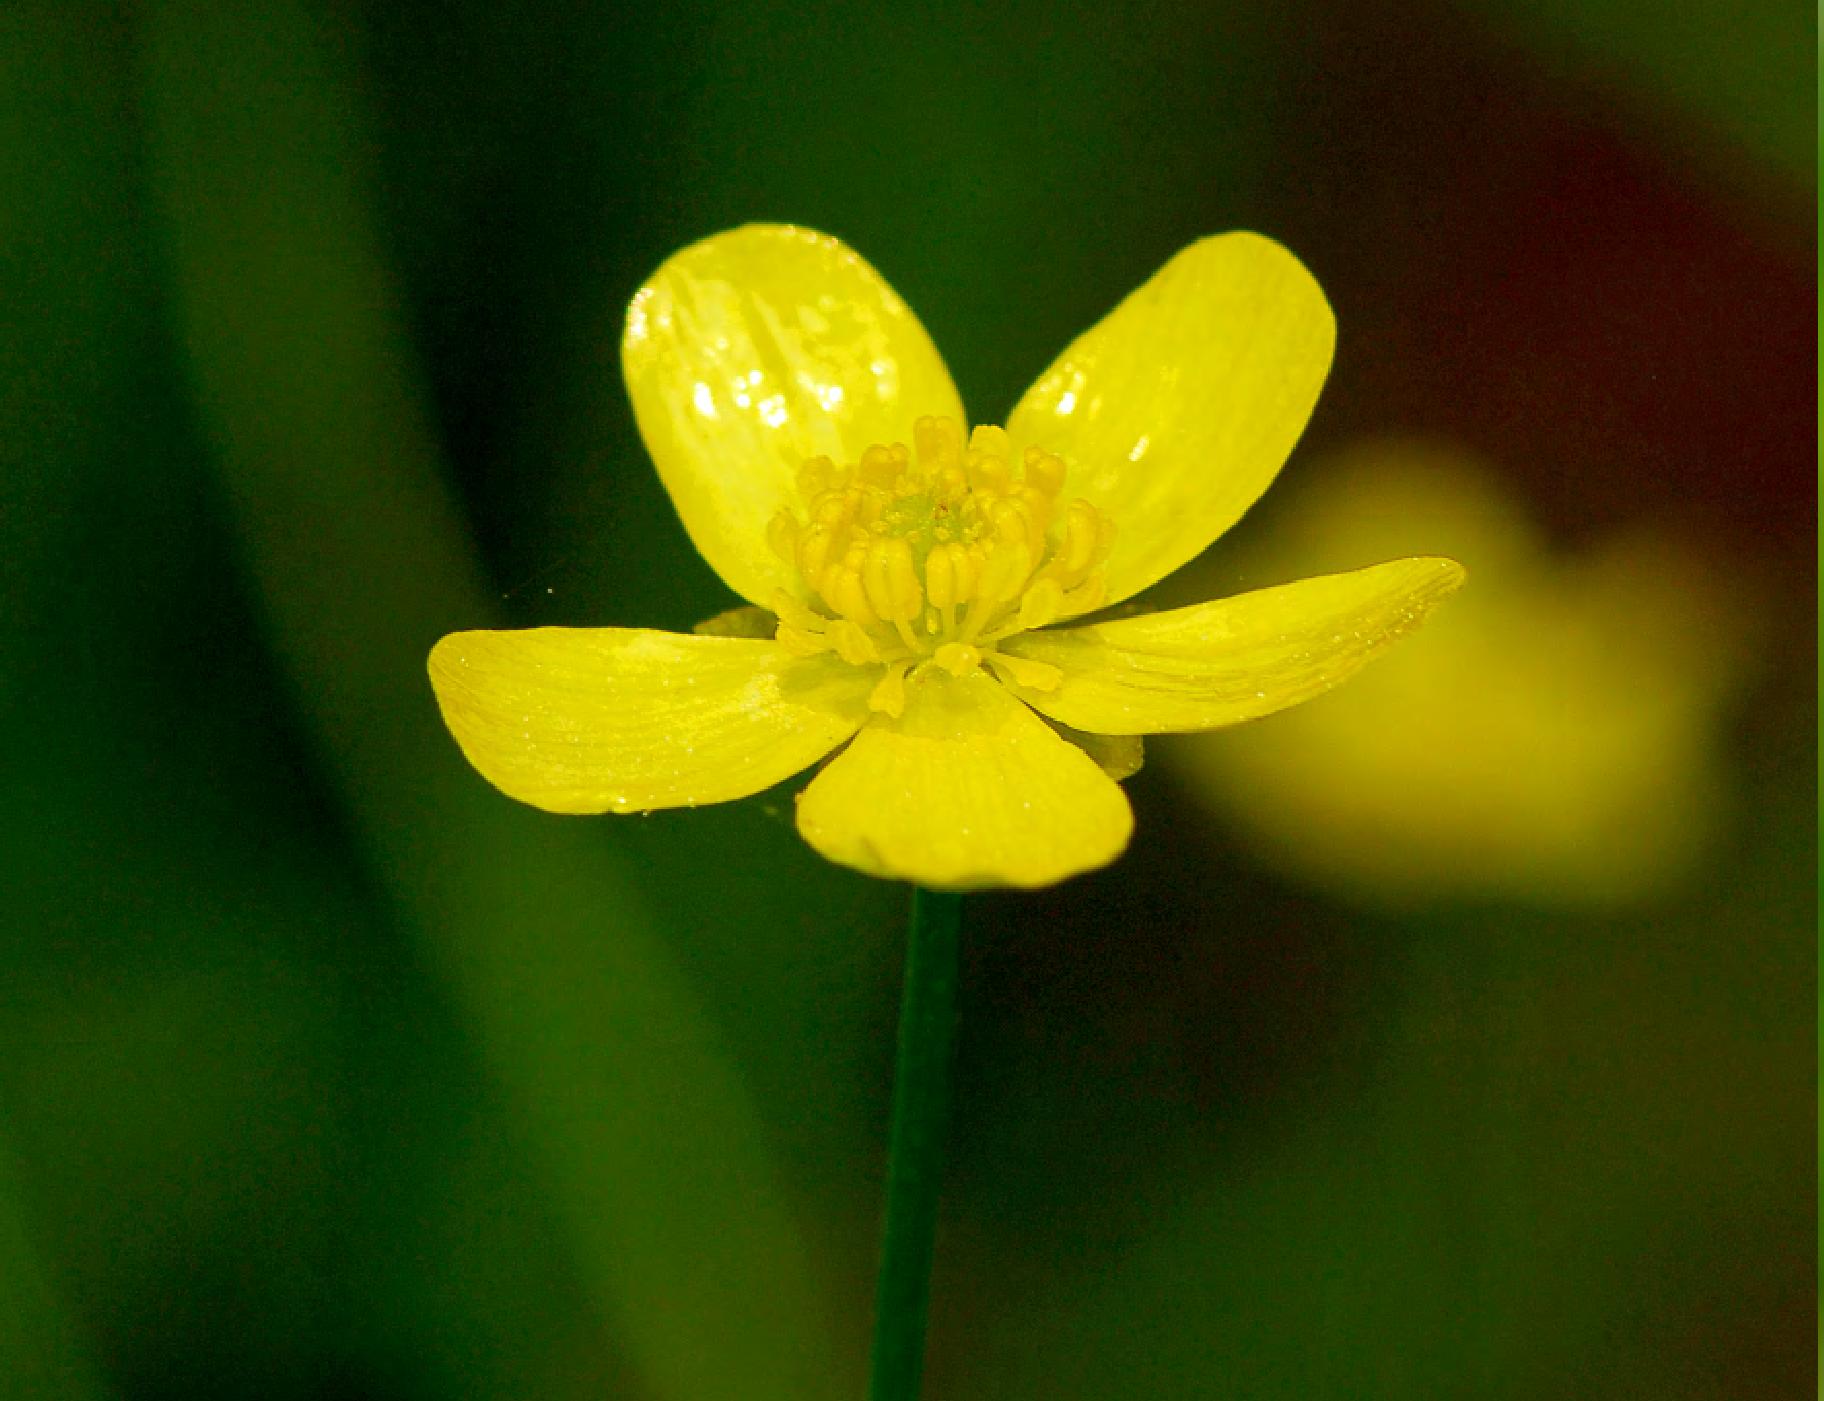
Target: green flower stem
915 1162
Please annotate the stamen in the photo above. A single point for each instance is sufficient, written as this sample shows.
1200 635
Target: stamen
1005 572
939 444
1043 602
1080 535
1023 671
847 596
974 618
794 613
889 693
800 643
1044 470
814 476
940 577
1087 596
932 554
815 546
958 658
853 644
782 536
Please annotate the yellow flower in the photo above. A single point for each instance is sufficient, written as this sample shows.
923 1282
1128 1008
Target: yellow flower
904 574
1555 739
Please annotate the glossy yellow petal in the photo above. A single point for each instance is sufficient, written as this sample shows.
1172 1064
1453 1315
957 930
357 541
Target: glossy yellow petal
1175 412
967 789
625 720
754 350
1236 658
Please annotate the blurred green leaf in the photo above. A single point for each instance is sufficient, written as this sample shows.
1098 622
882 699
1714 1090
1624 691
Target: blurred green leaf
1744 73
1570 1157
291 329
43 1355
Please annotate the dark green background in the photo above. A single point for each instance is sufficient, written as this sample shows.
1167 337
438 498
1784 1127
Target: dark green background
327 1072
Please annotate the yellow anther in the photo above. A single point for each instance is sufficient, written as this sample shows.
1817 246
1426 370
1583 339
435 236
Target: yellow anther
889 693
990 440
801 643
1044 470
958 658
1087 596
794 614
1022 671
987 459
891 581
940 577
1082 530
902 581
939 443
966 568
1012 523
847 595
988 476
932 554
815 476
1037 503
853 644
1035 506
879 465
815 546
782 536
1005 571
874 580
1105 540
1041 604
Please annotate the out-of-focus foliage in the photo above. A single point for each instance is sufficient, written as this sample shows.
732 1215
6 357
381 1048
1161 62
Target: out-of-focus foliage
290 334
1744 74
1556 734
324 1072
1328 1248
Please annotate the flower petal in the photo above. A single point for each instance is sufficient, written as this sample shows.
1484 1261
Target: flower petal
625 719
1175 412
967 789
1118 756
1236 658
753 350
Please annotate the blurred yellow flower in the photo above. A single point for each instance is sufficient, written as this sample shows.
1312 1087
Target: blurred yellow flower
904 574
1552 738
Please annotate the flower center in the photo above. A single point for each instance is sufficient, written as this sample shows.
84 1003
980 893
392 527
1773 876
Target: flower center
930 557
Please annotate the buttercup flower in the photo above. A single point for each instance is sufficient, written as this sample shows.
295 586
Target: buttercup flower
907 576
1586 769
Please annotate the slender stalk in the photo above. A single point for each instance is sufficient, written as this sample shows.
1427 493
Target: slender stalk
915 1163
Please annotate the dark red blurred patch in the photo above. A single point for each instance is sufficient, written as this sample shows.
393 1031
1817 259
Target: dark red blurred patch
1514 267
